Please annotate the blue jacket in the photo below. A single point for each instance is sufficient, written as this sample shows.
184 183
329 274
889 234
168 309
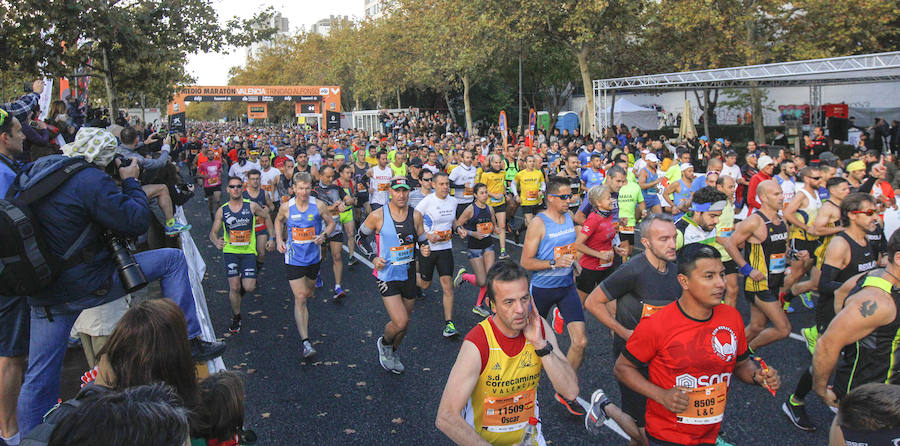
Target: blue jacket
89 196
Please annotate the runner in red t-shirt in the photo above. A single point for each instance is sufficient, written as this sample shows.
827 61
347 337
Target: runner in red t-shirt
595 241
210 169
693 347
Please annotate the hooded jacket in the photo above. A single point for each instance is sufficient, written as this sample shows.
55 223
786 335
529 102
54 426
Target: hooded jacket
90 196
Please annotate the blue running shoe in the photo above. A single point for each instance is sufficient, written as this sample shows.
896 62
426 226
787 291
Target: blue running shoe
807 300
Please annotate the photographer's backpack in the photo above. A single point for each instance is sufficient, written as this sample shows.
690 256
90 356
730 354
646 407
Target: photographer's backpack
26 263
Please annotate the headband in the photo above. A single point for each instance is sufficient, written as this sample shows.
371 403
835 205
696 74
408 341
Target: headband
717 206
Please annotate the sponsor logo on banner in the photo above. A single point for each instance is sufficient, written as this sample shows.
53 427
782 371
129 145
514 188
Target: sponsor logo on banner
323 91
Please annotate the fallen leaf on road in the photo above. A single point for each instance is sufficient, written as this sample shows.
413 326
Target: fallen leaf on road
369 333
337 395
351 366
361 384
265 414
426 369
222 291
321 414
252 331
369 398
254 313
251 371
281 336
349 431
264 317
398 420
324 335
236 366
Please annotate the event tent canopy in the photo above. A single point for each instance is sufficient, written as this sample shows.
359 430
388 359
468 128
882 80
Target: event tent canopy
633 115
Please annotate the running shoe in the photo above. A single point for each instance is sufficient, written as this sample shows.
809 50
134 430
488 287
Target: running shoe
518 236
235 325
308 349
558 322
481 311
721 441
204 350
807 300
797 414
572 407
596 416
339 293
788 308
458 280
450 330
176 228
503 255
811 334
386 357
398 366
353 261
319 281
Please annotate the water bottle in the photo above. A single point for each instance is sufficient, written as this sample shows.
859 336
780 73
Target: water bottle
530 437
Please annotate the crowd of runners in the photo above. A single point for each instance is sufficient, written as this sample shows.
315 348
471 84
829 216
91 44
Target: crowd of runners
654 240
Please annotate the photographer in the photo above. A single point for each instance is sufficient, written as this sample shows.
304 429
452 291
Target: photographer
127 149
91 198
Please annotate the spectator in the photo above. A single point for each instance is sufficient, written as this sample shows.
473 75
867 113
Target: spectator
868 415
766 168
74 219
219 416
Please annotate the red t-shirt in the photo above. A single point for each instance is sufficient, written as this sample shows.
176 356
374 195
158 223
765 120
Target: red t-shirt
233 155
690 353
510 346
600 232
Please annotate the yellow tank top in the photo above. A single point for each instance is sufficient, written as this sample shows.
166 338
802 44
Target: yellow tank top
806 215
724 229
505 396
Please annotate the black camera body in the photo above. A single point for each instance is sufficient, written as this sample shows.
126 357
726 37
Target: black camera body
130 273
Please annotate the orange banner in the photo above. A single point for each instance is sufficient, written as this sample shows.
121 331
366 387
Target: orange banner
258 110
329 96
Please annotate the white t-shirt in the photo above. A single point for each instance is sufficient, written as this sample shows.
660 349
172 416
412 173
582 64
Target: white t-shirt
237 170
437 217
380 182
788 188
732 171
639 164
463 175
267 181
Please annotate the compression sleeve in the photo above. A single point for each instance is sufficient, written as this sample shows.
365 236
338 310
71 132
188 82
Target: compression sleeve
827 284
365 230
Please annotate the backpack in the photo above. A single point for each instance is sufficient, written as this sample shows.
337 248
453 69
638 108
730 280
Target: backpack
26 263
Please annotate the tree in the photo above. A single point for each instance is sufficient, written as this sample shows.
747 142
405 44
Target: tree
126 41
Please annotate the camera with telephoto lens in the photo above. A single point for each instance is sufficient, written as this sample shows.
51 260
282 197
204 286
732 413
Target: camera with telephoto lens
130 273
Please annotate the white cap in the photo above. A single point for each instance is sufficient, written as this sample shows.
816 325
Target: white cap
651 158
483 139
685 166
764 161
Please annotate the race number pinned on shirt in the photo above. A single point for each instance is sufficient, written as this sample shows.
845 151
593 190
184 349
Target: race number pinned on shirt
382 187
532 195
560 251
508 414
303 235
726 232
468 191
239 237
777 263
706 405
443 236
401 255
485 228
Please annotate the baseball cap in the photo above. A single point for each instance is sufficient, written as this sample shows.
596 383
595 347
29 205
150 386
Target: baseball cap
399 183
731 153
340 156
652 158
686 166
764 161
704 138
856 165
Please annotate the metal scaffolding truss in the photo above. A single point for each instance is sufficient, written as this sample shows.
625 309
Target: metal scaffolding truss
881 67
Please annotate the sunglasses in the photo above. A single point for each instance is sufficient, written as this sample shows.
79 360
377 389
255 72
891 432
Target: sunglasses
868 212
235 186
815 178
561 196
427 179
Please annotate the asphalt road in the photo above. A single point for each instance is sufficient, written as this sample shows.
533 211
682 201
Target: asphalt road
343 396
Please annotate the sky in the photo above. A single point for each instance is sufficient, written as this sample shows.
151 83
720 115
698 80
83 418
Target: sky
212 68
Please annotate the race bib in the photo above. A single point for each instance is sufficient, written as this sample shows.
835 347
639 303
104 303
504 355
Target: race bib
508 413
531 195
726 232
268 187
443 236
485 228
213 179
777 263
706 405
496 200
560 251
239 238
382 187
468 192
648 310
285 199
401 255
625 229
303 235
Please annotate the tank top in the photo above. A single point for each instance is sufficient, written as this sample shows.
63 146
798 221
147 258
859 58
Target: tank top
359 179
575 185
512 168
876 357
240 234
862 259
725 228
820 251
807 215
261 201
396 243
302 229
558 240
505 394
768 257
681 197
381 179
651 177
482 222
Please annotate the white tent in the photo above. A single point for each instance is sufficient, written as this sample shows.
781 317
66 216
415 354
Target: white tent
634 115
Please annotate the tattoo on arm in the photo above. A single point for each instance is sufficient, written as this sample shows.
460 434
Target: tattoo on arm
868 308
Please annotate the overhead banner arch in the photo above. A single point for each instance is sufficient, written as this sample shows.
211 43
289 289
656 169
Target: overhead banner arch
317 99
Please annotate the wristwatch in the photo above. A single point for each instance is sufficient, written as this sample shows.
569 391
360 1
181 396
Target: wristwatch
545 350
552 263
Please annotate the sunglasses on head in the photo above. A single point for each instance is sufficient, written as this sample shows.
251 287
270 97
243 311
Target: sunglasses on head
868 212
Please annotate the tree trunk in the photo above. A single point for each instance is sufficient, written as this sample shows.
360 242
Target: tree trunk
449 107
398 98
109 82
588 90
759 132
465 80
705 112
